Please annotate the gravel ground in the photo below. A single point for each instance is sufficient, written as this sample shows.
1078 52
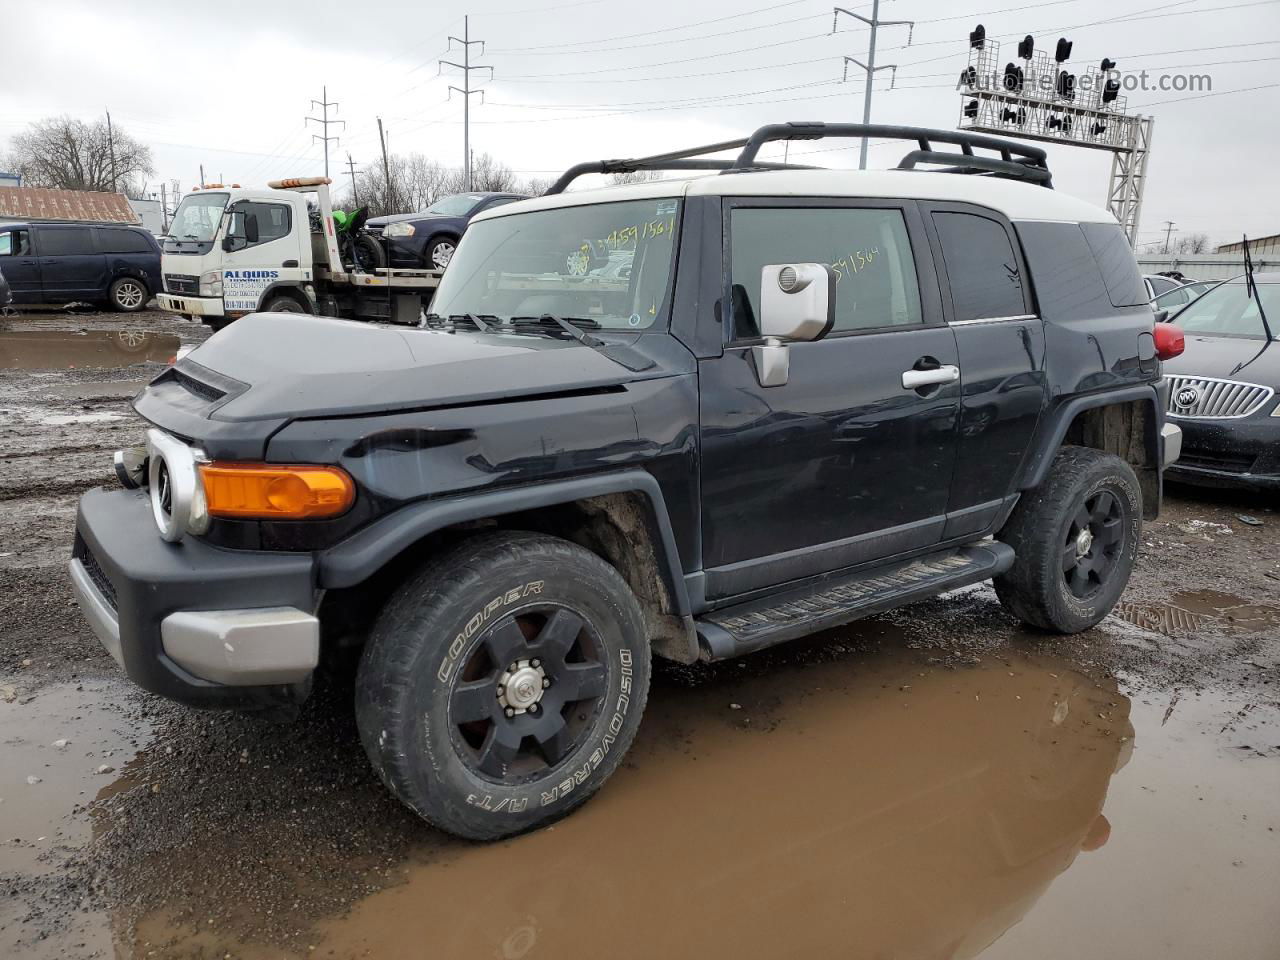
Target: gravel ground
159 831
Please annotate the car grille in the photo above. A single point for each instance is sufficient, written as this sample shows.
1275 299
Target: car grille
181 283
1216 460
1209 398
95 571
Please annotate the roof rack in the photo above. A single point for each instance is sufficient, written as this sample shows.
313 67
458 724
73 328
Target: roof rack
1016 161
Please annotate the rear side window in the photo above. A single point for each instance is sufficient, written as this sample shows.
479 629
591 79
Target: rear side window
982 268
122 241
64 241
1115 259
868 248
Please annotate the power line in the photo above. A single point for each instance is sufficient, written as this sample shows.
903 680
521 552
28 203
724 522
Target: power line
466 66
324 104
869 68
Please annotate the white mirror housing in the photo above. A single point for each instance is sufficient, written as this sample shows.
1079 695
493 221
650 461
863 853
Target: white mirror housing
797 301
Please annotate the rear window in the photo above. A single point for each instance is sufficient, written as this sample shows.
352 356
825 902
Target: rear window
122 241
1068 283
64 241
1114 256
982 268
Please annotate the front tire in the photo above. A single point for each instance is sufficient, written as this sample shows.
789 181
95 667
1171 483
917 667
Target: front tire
1076 538
439 252
503 683
283 304
128 295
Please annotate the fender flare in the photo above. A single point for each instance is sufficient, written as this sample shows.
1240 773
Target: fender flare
1054 431
358 557
292 286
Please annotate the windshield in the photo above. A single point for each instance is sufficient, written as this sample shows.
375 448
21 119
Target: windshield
198 216
455 206
1228 309
608 262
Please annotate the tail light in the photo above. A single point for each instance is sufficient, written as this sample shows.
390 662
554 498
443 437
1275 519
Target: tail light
1169 341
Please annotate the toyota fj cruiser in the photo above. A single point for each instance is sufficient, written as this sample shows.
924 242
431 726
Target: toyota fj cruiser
689 418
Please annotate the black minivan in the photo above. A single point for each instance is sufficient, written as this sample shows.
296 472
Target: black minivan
69 262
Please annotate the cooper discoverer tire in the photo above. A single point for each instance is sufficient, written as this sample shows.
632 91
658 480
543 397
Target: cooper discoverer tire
502 683
1076 537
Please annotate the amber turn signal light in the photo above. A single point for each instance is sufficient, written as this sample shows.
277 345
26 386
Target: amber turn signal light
267 491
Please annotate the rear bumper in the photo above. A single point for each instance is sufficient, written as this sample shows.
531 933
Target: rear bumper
192 622
194 306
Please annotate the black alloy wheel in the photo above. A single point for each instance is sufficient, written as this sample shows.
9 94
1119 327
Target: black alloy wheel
1095 535
528 695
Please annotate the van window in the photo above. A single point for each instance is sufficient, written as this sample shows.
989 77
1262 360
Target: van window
982 269
1115 259
868 248
15 243
65 241
122 241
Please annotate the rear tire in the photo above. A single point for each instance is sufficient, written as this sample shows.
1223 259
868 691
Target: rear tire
1076 537
503 683
128 295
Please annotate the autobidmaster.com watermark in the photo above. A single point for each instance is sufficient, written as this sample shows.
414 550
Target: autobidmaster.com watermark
1049 85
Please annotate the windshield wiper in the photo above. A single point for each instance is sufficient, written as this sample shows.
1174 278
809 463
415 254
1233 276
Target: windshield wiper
619 353
479 319
1251 289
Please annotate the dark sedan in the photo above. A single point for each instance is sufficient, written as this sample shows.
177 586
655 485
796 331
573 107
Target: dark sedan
426 240
1224 387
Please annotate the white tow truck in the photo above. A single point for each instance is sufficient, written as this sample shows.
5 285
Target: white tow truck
235 250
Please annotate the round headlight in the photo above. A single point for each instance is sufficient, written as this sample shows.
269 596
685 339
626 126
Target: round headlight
177 496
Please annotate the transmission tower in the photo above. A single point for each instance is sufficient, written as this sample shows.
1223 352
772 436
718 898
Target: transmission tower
466 66
869 68
324 104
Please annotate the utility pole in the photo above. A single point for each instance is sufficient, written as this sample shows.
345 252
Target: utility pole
1168 234
111 148
351 168
164 207
869 68
466 90
202 176
324 104
386 166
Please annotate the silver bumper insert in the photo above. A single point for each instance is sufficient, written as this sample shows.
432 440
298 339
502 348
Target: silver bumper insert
243 647
100 614
1170 444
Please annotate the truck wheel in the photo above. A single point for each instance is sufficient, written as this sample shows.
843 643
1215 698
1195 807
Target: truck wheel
439 252
283 304
1076 537
503 683
128 295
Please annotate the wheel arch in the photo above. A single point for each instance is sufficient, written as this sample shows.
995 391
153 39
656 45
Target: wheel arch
1125 423
621 517
291 288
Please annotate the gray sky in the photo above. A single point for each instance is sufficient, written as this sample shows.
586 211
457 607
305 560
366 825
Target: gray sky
228 84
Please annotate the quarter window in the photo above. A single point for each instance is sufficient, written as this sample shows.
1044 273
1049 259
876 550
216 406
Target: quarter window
982 269
122 241
868 249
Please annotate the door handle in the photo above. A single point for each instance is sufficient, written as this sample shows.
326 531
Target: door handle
915 379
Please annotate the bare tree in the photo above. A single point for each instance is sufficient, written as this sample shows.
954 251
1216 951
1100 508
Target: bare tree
418 181
69 154
1192 243
636 176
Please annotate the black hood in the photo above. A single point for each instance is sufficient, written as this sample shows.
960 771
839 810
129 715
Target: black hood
1228 358
286 366
400 218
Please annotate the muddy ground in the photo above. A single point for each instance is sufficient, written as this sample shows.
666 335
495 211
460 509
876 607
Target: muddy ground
937 782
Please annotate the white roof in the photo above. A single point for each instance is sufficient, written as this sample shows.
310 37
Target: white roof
1017 200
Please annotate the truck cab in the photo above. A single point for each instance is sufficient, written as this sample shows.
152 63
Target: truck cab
235 250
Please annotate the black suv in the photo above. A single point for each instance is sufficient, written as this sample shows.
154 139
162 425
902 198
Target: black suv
68 262
688 418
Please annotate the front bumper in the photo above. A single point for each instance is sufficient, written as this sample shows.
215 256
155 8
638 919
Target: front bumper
1243 453
193 306
196 623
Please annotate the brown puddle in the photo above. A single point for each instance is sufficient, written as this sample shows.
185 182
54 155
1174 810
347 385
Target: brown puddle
58 350
1196 610
863 805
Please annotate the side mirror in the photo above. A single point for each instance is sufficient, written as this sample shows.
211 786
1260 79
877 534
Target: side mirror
1162 316
797 302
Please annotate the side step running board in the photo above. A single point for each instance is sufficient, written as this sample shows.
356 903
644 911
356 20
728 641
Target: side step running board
757 624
